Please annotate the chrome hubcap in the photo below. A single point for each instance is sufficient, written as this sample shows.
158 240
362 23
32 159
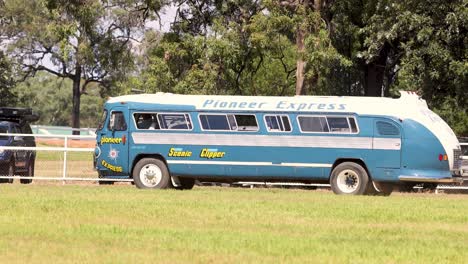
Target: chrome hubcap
150 175
348 181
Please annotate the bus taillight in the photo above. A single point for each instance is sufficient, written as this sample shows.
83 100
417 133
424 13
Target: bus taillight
443 157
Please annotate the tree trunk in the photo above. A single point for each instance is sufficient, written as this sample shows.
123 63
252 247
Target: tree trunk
374 79
301 34
300 64
375 73
76 99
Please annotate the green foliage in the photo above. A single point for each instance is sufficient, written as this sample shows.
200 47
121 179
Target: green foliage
251 47
428 42
88 42
7 96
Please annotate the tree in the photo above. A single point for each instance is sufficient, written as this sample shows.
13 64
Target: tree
425 46
348 47
50 97
86 41
7 96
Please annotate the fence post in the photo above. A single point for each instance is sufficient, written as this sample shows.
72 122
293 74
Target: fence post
65 160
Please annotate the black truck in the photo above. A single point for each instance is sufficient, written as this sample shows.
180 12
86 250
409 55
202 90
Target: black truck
15 120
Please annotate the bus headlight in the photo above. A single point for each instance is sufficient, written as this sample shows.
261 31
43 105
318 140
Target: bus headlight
97 152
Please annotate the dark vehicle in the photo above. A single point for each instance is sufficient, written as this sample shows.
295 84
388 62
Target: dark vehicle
16 162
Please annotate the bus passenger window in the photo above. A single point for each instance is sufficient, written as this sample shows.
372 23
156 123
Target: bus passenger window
277 123
246 122
175 121
272 123
352 122
146 121
214 122
286 123
232 122
338 124
313 124
117 122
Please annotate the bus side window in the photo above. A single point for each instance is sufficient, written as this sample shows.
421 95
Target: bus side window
313 124
214 122
175 121
117 122
146 121
232 122
338 124
286 123
246 122
277 123
352 122
272 123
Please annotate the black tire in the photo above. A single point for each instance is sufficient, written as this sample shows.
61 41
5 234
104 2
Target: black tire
29 173
429 187
349 178
106 182
150 173
382 188
407 187
185 184
8 171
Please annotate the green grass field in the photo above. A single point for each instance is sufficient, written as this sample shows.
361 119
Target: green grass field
50 164
121 224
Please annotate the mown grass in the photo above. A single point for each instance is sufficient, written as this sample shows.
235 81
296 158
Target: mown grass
120 224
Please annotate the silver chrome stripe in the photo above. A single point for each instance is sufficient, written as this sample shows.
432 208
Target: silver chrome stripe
248 163
427 179
387 143
314 165
262 140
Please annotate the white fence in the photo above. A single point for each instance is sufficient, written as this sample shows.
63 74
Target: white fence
47 130
49 145
63 144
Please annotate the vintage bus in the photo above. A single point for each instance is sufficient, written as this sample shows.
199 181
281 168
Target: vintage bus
360 145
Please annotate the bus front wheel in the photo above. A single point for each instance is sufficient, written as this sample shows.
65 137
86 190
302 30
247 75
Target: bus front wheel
150 173
349 178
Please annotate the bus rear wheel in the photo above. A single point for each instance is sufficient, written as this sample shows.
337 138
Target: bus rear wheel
180 183
380 188
349 178
150 173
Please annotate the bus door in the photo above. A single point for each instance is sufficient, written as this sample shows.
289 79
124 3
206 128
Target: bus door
113 143
386 144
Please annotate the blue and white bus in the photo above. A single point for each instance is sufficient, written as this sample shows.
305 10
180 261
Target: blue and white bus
359 145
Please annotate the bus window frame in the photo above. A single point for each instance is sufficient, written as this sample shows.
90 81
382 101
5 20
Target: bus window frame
326 119
226 114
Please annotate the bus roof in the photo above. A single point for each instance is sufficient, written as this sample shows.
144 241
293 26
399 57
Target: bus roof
400 107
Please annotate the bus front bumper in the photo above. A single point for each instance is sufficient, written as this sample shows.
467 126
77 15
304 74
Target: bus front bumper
432 180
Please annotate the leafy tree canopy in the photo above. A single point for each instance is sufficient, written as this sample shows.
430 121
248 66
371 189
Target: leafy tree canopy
7 96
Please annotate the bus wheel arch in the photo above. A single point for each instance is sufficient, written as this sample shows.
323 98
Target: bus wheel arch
151 172
350 177
148 155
